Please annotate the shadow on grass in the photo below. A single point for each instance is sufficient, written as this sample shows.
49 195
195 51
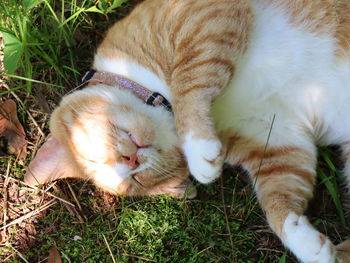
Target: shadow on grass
156 229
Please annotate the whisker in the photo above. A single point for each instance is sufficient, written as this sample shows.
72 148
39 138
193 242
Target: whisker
163 171
157 162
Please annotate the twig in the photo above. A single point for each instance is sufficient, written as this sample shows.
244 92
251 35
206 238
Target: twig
268 249
50 186
74 195
57 197
43 260
17 158
9 256
30 214
20 255
66 257
11 210
24 108
71 209
205 249
37 143
265 149
6 194
225 212
138 257
109 248
34 188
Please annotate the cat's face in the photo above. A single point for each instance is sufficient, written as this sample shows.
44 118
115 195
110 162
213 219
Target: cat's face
123 145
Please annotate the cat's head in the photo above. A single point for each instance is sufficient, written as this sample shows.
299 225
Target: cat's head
106 135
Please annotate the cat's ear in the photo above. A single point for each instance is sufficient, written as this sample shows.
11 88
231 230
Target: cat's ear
51 162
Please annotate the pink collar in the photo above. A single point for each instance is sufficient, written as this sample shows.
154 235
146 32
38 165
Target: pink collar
149 97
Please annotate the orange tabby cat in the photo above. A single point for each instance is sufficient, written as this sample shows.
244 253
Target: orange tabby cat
282 70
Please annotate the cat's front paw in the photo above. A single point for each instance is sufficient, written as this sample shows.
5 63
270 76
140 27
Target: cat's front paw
204 158
309 245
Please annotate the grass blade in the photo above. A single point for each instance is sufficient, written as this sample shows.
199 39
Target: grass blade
31 80
331 185
283 259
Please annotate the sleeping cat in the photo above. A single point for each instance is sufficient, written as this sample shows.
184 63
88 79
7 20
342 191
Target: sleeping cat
270 78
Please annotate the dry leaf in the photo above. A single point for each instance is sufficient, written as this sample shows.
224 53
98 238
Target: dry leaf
54 256
12 130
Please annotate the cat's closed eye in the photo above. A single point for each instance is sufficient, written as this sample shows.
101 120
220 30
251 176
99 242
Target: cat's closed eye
118 147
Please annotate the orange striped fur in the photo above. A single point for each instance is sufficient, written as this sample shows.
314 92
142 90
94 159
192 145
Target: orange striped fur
199 51
283 176
83 123
198 48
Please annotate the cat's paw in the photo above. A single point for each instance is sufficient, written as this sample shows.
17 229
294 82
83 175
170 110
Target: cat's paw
309 245
204 158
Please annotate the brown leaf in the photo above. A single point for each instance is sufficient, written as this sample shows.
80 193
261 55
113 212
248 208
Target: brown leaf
12 130
54 256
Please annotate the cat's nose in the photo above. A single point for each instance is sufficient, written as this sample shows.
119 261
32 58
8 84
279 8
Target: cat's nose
130 160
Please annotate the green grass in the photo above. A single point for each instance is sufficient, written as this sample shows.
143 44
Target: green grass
48 46
330 181
44 38
159 228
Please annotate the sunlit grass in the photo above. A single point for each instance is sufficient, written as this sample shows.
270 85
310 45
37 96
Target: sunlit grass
159 229
40 37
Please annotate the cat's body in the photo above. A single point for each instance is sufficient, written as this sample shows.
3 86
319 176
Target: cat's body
280 73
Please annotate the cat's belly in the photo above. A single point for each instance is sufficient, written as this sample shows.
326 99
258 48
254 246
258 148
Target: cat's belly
312 104
289 82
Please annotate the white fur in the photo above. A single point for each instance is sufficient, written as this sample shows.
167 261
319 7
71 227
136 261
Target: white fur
146 152
164 120
288 80
306 242
198 152
165 134
290 74
133 71
129 69
109 176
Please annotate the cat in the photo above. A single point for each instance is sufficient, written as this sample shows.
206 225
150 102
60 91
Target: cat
253 83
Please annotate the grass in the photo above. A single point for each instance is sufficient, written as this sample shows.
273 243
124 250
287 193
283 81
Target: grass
160 229
44 39
45 43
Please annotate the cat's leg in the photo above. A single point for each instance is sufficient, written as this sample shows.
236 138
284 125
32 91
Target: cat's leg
283 177
200 144
193 91
207 49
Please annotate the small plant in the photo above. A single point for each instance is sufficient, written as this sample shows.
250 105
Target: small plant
40 38
329 179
